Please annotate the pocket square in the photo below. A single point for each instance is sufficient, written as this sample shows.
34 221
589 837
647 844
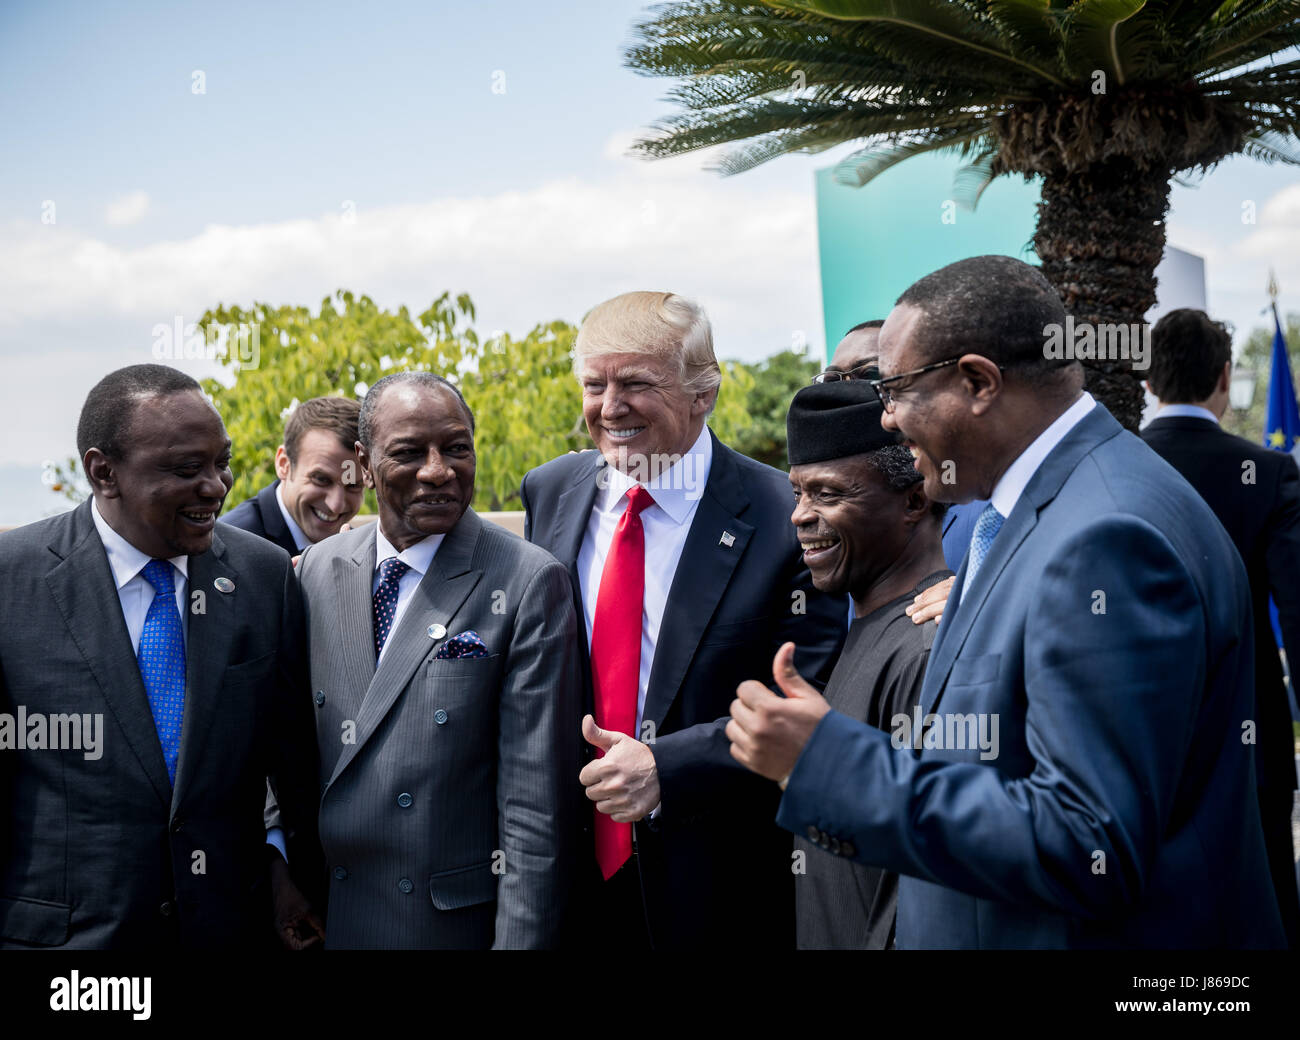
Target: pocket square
467 644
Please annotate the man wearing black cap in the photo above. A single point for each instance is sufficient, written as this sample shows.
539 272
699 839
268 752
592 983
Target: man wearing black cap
869 532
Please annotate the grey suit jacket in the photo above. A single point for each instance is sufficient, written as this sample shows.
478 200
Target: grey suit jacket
101 852
450 786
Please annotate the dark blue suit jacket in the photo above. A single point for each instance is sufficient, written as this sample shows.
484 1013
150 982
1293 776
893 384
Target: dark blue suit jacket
958 527
261 515
714 868
1109 634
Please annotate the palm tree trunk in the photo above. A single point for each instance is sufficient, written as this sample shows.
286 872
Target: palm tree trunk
1101 233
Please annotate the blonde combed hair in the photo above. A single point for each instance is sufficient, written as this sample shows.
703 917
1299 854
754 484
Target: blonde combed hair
661 324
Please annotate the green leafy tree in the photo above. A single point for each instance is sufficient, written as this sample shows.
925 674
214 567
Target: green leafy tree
527 403
776 380
1105 100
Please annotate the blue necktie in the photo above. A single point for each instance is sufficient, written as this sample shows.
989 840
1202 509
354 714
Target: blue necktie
981 540
390 573
162 662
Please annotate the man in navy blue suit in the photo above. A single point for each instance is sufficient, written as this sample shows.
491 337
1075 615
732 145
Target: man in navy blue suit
689 575
1099 633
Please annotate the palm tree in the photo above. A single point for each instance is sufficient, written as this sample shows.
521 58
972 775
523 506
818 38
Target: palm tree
1105 100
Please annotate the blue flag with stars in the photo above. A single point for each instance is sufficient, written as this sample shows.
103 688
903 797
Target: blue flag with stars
1282 429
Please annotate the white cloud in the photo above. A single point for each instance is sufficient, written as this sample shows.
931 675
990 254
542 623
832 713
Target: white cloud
748 253
127 210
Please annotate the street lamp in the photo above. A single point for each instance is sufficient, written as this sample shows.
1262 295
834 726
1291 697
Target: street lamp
1241 388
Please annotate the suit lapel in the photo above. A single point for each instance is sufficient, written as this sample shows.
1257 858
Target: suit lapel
210 623
703 573
572 512
273 520
1092 430
83 589
440 594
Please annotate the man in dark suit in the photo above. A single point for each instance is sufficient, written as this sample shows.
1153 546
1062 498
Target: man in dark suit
318 485
1255 493
183 646
1101 621
688 573
444 664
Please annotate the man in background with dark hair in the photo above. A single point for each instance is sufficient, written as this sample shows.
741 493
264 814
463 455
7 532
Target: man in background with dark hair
1101 620
318 486
1255 493
868 532
158 665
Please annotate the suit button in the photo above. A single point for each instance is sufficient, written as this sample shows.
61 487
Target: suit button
813 833
404 800
439 716
320 698
406 886
847 849
177 825
835 846
340 874
167 909
824 841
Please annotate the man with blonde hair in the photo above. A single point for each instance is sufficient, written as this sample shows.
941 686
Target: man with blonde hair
688 575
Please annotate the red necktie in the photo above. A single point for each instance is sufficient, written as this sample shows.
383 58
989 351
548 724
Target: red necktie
616 655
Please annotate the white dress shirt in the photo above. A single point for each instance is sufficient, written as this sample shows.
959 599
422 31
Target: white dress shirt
676 493
295 532
1185 411
419 557
1007 491
134 592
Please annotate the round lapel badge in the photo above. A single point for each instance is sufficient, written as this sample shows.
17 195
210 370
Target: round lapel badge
436 631
224 585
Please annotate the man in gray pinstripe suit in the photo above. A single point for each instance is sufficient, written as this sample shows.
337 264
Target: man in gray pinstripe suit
444 667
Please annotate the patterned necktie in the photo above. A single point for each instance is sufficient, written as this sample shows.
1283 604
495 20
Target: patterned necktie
616 655
162 662
987 527
385 605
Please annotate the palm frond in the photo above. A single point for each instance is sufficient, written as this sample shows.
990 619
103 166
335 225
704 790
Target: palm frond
1271 147
970 182
865 165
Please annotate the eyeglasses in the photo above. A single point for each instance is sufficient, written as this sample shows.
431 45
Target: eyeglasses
881 387
867 371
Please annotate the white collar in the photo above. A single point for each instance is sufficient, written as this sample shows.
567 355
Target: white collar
1007 491
1186 411
419 557
124 559
295 532
677 490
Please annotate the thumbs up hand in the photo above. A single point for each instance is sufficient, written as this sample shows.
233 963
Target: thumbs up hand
767 732
624 782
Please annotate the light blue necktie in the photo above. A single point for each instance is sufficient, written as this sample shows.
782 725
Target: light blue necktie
981 540
162 662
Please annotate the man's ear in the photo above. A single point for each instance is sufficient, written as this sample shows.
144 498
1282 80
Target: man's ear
363 460
101 473
1225 378
917 505
281 463
981 379
703 402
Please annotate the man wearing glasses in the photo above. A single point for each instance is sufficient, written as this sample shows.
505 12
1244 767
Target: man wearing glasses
857 357
1100 625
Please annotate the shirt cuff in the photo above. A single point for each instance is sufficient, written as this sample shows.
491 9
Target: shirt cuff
275 837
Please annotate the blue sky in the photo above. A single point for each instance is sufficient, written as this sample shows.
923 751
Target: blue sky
167 201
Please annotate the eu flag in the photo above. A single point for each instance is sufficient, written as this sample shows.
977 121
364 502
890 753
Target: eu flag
1282 430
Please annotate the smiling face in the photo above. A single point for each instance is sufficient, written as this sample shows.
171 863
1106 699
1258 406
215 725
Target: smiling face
930 411
636 408
421 462
322 489
849 521
164 495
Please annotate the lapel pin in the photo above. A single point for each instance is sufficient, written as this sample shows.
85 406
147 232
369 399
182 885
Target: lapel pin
436 631
224 585
728 539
